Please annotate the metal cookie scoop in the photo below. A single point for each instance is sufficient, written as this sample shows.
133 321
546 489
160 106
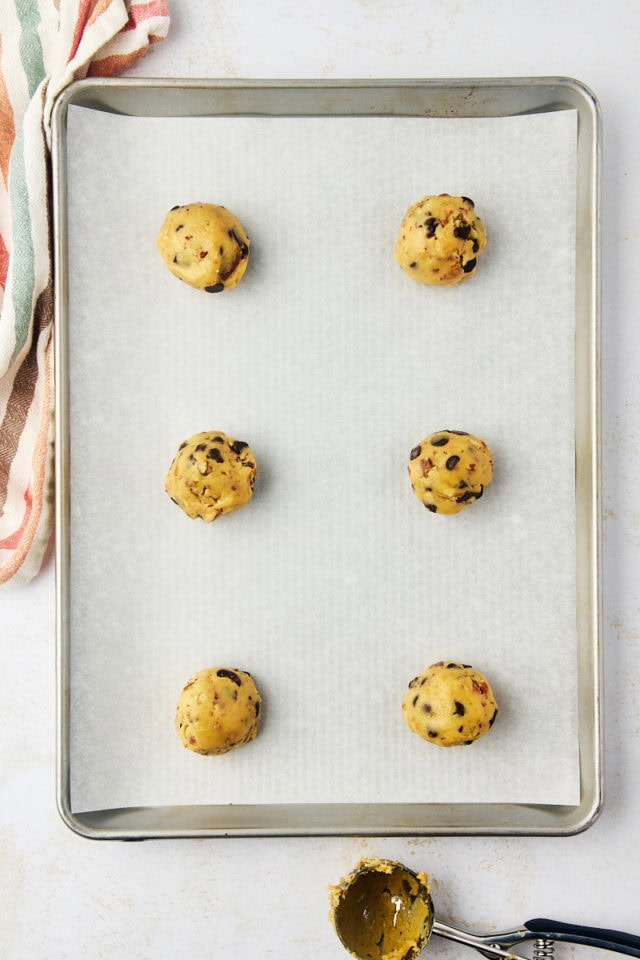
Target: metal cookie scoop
383 911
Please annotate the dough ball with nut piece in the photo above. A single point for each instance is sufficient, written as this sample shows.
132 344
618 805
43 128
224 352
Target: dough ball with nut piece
205 245
449 470
211 474
440 240
218 710
450 704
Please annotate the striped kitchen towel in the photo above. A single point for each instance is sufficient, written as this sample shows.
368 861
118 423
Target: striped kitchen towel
44 45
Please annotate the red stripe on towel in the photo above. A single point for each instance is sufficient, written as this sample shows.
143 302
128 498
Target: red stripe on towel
140 12
7 126
12 541
4 263
84 9
109 66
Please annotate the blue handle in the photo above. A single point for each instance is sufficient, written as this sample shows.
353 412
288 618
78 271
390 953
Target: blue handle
600 937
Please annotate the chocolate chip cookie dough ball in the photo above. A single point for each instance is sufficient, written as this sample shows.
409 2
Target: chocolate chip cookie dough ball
211 474
449 470
440 240
450 704
205 245
218 710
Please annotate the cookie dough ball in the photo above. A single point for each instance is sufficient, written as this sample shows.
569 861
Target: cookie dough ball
440 240
211 474
450 704
205 245
218 710
449 470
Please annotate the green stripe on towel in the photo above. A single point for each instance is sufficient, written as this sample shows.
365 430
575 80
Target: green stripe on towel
30 46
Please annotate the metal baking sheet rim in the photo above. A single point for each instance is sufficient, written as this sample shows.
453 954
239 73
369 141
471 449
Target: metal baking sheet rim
417 97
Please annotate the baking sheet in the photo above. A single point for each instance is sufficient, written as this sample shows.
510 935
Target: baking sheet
334 587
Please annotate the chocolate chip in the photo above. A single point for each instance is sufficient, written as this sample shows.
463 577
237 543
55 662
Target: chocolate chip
180 227
217 439
215 454
493 718
463 485
468 200
230 675
432 733
215 288
175 259
244 249
257 708
470 495
462 232
476 246
467 742
439 441
468 266
432 507
182 445
426 707
415 699
459 708
201 446
415 452
177 207
221 251
238 446
413 265
459 433
431 225
452 462
451 666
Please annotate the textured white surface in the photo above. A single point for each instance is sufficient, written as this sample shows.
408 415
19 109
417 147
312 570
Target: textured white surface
335 587
64 897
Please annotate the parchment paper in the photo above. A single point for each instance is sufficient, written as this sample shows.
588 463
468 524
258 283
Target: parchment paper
334 587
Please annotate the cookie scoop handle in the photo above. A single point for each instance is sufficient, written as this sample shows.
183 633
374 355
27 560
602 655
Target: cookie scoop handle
600 937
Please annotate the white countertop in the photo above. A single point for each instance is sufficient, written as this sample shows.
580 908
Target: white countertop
62 896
